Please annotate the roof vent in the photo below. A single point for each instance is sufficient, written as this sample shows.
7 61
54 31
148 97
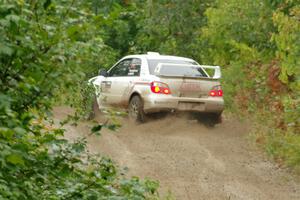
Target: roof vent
151 53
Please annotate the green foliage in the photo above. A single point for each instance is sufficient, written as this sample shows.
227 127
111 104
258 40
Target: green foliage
47 48
288 42
119 23
50 48
237 31
172 27
284 148
37 164
291 113
254 40
43 49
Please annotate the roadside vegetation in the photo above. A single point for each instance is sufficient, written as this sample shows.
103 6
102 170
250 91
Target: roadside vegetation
47 47
50 47
257 44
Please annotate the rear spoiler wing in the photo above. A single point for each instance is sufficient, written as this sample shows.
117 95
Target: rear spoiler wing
217 70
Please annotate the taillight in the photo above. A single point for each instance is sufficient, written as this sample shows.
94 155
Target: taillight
216 91
220 93
160 88
213 93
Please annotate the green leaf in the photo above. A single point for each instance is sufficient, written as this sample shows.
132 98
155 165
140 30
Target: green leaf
15 159
20 131
5 50
113 127
97 128
47 4
6 133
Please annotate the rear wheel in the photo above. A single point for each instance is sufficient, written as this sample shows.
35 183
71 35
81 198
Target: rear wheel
136 109
215 118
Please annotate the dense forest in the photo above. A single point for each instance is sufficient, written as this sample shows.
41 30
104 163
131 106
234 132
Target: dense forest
50 46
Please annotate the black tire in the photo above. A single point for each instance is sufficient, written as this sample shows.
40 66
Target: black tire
95 110
214 118
136 110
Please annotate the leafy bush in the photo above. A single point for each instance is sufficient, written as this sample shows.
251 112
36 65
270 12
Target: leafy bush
284 148
288 42
47 47
237 31
258 44
37 164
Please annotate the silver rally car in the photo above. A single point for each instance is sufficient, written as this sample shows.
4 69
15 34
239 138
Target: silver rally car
152 83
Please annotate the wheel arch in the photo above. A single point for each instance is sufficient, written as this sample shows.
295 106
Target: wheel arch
135 94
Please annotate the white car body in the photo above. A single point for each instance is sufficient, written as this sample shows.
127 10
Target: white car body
186 93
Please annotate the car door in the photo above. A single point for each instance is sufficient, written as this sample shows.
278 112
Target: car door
115 87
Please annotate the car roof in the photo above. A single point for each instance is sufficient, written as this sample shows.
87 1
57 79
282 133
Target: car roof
158 56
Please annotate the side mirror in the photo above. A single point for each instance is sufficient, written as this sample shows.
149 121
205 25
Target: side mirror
103 72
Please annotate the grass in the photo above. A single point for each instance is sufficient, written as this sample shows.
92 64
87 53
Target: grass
284 148
281 146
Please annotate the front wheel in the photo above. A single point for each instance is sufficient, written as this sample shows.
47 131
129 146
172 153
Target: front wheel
136 109
94 109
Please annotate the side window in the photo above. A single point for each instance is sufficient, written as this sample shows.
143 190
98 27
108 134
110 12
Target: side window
120 69
135 67
128 67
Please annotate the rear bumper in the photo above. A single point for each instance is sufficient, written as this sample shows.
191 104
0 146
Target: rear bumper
161 102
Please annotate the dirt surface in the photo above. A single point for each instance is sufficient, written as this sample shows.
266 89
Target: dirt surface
191 160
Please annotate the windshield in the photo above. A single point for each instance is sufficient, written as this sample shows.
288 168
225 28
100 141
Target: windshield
188 68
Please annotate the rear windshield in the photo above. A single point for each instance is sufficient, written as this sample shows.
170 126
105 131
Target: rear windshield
176 70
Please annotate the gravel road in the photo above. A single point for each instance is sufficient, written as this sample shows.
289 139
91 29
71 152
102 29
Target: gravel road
191 160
